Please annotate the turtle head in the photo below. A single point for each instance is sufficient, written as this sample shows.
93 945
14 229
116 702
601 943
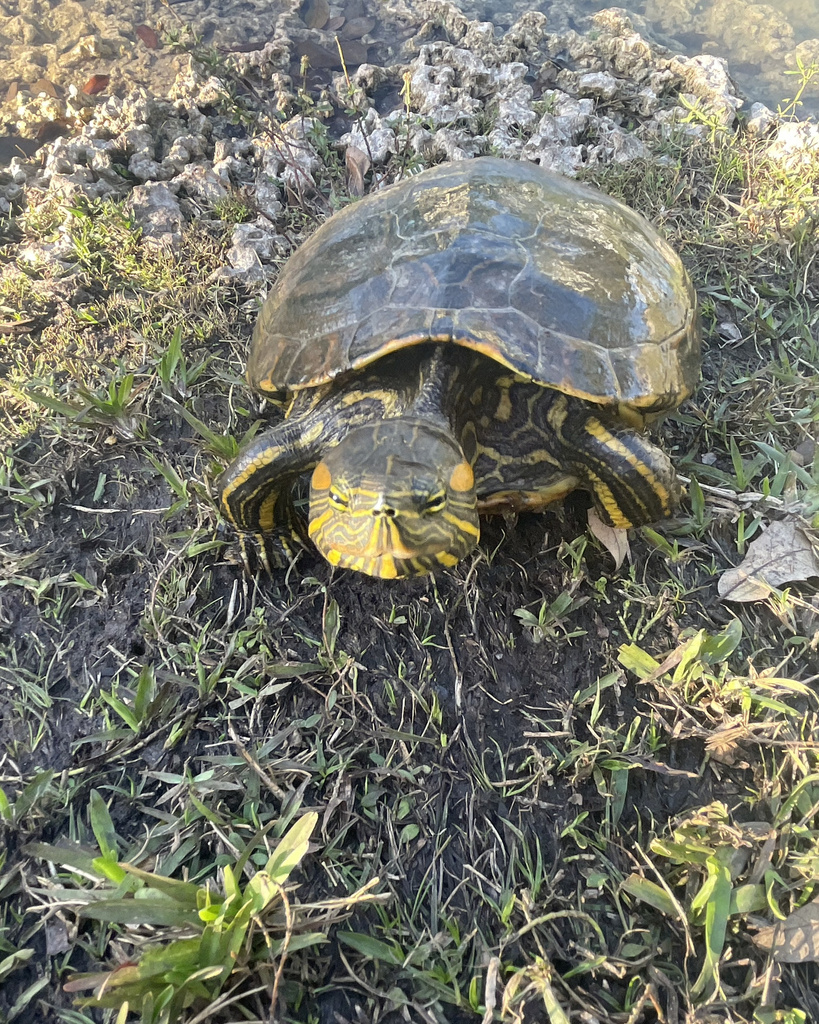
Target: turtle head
393 499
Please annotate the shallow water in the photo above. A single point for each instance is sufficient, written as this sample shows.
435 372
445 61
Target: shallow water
760 41
65 48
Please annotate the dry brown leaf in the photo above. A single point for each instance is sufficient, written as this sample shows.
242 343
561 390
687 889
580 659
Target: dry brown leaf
613 540
358 163
794 940
44 86
51 130
783 554
95 84
722 745
148 36
334 24
650 765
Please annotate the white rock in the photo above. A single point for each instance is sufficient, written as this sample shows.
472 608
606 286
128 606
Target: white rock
19 170
760 119
707 78
201 182
376 139
795 146
258 236
599 84
268 197
156 210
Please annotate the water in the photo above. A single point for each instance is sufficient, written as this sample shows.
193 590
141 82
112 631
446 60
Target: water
761 41
57 48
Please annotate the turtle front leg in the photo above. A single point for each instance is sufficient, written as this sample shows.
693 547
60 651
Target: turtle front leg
632 481
255 491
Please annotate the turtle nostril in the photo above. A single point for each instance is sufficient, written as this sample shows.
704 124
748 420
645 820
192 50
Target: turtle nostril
385 510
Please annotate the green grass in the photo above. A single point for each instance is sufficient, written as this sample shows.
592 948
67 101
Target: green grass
532 788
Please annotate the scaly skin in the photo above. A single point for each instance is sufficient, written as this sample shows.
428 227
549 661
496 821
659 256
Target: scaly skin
405 454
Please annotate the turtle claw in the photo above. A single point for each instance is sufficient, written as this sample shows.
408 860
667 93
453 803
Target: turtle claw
266 551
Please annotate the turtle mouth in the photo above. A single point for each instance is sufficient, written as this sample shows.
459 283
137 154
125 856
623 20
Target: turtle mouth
385 566
392 548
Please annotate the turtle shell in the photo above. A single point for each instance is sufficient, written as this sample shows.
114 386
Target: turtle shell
551 278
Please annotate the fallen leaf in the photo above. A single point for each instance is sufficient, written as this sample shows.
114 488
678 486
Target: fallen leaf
613 540
95 84
15 326
358 163
354 52
794 940
357 27
729 332
51 130
12 91
148 36
783 554
334 24
318 56
42 85
722 744
57 940
804 453
315 13
650 765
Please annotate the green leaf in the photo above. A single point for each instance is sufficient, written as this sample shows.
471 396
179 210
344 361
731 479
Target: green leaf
181 955
262 890
152 910
373 948
717 648
557 1014
232 888
31 794
219 443
685 853
171 357
332 625
108 867
17 959
54 404
748 899
636 660
691 651
651 893
124 712
717 912
619 789
71 856
292 848
102 825
145 691
184 893
24 1002
408 833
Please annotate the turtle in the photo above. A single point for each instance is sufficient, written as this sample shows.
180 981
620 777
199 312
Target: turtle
482 337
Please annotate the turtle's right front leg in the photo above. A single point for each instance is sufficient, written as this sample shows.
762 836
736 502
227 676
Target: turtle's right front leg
256 489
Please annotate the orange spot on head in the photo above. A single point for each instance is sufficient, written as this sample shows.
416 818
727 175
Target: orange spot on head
462 479
322 477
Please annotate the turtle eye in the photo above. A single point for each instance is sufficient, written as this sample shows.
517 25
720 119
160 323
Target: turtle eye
339 501
434 503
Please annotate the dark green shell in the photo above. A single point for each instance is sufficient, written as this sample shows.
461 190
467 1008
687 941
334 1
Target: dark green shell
549 277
